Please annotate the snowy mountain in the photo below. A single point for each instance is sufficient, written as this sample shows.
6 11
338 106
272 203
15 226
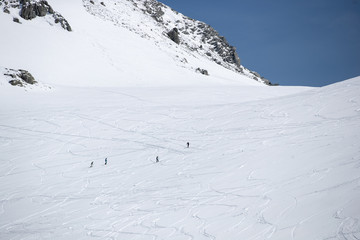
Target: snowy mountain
126 81
112 43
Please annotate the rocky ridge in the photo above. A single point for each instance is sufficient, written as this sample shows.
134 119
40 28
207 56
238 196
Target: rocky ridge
30 9
160 22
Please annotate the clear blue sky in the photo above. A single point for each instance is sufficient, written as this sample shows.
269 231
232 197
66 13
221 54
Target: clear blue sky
302 42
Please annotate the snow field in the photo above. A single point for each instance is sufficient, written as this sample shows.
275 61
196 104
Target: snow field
263 163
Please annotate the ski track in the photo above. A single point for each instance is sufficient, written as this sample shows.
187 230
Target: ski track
211 190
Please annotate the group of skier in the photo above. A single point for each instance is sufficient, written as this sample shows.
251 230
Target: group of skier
157 157
92 163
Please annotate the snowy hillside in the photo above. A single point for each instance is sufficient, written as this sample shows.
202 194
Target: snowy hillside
126 80
264 163
114 43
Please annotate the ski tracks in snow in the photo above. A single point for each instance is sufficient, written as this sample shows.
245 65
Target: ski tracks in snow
250 171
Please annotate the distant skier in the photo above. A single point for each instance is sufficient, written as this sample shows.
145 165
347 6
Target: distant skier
105 161
92 164
188 144
157 158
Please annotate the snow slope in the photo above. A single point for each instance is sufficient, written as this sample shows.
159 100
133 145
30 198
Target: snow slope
264 163
103 49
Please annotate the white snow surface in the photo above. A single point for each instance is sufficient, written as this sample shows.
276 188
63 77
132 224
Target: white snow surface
263 163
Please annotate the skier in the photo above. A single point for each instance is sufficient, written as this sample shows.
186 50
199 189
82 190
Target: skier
105 161
157 158
92 164
188 144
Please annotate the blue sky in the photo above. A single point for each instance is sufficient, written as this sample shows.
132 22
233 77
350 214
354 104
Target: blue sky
308 42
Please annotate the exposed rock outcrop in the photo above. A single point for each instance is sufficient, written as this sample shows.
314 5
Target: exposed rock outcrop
63 22
19 77
174 35
16 20
218 44
30 9
6 10
202 71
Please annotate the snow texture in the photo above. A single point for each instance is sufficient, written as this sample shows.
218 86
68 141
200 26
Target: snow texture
263 163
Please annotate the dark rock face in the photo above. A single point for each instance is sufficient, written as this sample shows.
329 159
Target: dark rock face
26 77
30 9
6 10
20 77
28 12
42 9
16 20
174 35
202 71
234 57
60 19
16 83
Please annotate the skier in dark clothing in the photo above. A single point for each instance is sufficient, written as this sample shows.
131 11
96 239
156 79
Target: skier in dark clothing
157 158
105 161
92 164
188 144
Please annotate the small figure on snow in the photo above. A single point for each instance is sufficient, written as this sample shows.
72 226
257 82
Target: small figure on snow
105 161
188 144
92 164
157 158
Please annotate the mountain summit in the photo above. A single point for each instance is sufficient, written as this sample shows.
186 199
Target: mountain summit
112 42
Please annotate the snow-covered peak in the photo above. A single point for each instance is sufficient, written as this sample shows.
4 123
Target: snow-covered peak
115 43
